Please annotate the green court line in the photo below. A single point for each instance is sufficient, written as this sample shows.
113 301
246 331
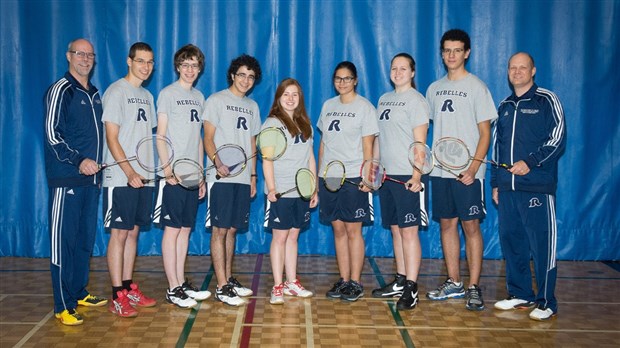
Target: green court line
392 305
189 323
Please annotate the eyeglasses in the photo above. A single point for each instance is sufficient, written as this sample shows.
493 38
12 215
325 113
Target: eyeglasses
82 54
142 61
449 51
244 76
346 80
187 66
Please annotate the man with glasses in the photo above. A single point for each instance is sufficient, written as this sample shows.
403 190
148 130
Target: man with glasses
179 107
73 134
129 115
230 117
461 107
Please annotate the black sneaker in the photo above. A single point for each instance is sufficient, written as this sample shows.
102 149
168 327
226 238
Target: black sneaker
394 289
409 299
474 298
228 295
352 292
336 290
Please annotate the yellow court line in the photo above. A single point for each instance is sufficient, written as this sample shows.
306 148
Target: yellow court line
309 326
236 335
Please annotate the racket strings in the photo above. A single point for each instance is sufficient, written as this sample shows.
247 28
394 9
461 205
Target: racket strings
334 176
154 153
306 183
188 173
451 154
373 174
271 143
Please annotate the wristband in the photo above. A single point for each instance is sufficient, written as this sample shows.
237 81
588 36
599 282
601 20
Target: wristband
254 175
213 158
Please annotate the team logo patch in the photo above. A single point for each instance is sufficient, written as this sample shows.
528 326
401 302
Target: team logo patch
409 218
535 202
360 213
474 210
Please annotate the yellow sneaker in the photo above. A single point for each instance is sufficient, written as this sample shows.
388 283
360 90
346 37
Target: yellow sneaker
70 317
92 301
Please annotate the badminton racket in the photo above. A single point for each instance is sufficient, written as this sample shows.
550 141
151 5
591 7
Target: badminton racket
153 153
305 185
270 143
334 176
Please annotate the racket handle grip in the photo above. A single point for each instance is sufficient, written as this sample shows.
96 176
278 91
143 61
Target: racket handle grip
278 195
410 184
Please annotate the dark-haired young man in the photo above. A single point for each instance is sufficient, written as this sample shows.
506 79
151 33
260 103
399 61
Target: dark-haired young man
230 117
461 107
129 115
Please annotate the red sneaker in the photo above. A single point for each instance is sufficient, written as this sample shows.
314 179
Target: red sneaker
121 306
137 298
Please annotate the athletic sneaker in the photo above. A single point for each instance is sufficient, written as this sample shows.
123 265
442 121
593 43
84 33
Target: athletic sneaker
137 298
474 298
194 292
276 294
449 289
228 295
542 313
409 298
179 298
295 288
352 292
122 305
240 289
394 289
336 290
92 301
512 302
69 317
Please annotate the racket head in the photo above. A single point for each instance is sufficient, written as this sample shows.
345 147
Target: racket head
334 175
233 157
451 153
271 142
306 183
188 173
372 173
154 153
421 157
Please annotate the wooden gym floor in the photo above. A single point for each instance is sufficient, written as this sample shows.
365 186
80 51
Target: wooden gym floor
587 293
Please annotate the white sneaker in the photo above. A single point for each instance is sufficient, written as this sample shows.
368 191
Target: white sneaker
276 294
179 298
194 292
513 302
240 289
541 313
295 288
227 295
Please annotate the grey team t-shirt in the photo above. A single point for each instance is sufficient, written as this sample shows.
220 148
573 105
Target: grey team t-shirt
296 156
342 127
184 109
398 115
236 121
133 109
456 109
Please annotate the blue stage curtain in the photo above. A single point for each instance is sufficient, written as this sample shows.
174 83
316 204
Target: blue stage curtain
575 45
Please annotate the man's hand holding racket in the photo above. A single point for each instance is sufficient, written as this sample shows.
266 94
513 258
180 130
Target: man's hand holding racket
88 167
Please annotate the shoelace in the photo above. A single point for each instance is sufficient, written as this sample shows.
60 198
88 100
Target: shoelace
277 290
297 284
474 294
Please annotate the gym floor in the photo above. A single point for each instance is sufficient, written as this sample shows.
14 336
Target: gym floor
587 293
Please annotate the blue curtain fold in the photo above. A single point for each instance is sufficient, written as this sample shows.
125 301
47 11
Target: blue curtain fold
575 45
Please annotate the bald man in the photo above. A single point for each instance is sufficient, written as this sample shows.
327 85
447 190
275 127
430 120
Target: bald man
529 138
74 138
